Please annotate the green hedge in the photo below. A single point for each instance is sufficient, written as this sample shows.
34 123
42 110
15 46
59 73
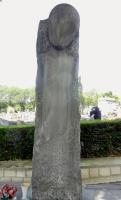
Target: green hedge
16 142
98 138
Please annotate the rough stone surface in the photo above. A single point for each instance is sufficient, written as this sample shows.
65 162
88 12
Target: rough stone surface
9 173
29 173
56 153
94 172
5 179
86 163
1 173
85 173
105 161
104 171
20 173
16 165
115 170
43 43
17 179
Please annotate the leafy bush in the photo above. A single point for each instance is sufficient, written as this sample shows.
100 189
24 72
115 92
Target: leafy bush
16 142
98 138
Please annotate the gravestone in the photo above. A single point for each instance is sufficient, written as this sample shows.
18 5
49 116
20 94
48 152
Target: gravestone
56 153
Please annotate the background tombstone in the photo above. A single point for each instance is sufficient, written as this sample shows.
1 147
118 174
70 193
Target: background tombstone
56 153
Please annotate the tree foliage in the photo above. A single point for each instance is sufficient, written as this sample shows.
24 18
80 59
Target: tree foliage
90 98
22 99
110 95
87 99
16 97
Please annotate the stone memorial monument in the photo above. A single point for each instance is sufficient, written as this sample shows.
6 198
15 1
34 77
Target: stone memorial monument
56 154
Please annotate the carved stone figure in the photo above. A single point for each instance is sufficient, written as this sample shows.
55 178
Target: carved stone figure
56 153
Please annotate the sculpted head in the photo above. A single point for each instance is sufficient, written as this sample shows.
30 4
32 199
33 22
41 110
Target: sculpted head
63 25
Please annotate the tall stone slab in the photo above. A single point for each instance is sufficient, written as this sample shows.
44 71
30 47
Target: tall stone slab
56 153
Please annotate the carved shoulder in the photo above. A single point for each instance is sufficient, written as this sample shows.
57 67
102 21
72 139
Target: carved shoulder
43 44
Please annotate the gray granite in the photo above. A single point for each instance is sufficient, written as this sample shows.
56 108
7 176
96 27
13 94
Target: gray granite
56 154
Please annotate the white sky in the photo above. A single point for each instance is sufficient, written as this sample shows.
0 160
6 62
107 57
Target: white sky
100 41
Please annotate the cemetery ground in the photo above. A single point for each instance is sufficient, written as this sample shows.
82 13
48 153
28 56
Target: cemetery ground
92 191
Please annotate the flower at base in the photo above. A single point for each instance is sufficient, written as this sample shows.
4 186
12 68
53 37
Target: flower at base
7 192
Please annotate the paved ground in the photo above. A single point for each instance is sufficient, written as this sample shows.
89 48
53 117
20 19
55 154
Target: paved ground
107 191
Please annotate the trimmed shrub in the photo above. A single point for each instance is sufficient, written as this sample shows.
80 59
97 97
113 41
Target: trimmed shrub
16 142
98 139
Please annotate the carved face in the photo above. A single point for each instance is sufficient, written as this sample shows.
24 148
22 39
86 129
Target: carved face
63 25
